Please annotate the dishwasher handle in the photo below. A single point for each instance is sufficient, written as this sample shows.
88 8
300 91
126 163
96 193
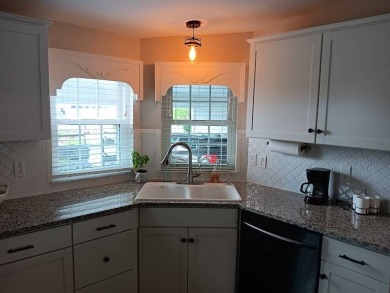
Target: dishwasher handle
300 243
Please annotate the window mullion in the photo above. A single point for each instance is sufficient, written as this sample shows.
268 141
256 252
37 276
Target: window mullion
102 144
97 102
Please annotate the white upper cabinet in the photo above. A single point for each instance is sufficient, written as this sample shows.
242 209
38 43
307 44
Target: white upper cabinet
354 106
327 85
24 89
284 82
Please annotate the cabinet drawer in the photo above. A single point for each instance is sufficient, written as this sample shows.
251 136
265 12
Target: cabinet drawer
27 245
103 226
377 266
123 283
105 257
188 217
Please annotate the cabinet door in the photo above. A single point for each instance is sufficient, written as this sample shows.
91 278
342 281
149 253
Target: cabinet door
212 260
285 80
354 102
341 280
163 260
24 89
48 273
122 283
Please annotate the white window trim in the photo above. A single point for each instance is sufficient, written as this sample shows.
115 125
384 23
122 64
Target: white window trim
232 75
228 123
64 64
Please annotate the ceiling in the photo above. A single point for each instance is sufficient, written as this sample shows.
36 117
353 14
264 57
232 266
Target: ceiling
158 18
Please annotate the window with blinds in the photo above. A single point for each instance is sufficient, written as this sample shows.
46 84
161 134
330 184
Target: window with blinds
92 127
204 117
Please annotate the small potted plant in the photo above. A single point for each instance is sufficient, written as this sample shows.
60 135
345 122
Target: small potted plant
139 161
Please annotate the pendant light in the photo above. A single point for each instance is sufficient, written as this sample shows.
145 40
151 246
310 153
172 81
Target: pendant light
192 42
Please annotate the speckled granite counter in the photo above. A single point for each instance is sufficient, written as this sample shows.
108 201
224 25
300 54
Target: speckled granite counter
48 210
369 231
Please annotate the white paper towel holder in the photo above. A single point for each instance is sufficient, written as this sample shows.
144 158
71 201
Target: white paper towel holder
303 148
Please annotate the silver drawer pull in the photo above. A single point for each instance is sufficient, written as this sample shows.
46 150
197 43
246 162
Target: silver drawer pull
353 260
13 250
105 227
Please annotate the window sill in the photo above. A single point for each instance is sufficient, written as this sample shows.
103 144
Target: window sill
89 176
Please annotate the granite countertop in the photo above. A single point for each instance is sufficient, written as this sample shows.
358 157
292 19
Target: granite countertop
28 214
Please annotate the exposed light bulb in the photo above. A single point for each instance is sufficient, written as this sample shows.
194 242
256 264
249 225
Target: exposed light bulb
192 53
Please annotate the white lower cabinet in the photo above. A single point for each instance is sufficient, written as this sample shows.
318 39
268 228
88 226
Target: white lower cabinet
342 280
347 268
104 258
47 273
178 259
39 262
105 254
163 260
123 283
212 260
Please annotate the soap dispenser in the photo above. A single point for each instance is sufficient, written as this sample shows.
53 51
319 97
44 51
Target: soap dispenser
214 176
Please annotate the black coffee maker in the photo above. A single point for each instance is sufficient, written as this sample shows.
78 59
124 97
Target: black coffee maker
317 185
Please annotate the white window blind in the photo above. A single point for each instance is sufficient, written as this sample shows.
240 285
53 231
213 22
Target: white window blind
205 117
92 127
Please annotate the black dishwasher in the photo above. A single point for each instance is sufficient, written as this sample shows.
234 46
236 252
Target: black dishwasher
276 257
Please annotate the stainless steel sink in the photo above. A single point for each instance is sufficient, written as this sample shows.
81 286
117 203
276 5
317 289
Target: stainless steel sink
154 191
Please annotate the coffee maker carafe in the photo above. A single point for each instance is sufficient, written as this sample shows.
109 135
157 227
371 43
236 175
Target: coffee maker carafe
317 185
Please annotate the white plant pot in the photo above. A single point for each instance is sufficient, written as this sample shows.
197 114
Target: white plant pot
141 177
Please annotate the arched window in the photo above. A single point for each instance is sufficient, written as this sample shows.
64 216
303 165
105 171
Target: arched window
205 117
92 127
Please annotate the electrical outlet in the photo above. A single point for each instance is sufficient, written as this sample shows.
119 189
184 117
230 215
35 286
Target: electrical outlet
263 162
346 172
253 160
20 169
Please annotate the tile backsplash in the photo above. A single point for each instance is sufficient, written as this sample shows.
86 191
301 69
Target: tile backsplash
36 181
35 157
370 169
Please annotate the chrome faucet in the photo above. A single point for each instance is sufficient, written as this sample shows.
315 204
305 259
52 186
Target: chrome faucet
165 160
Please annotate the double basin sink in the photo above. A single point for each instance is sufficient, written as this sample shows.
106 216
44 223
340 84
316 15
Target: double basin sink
154 191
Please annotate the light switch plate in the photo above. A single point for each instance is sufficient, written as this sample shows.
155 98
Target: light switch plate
263 162
20 169
253 160
346 172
